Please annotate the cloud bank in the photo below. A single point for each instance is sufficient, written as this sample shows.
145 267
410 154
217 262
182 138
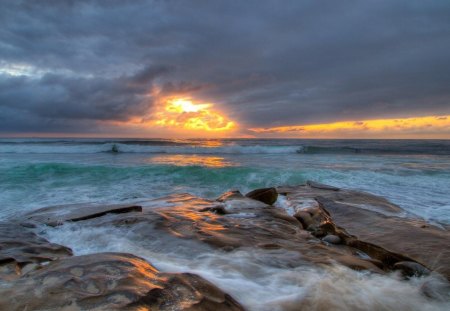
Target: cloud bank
77 66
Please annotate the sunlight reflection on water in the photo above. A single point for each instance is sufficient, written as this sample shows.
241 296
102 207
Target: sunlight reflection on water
187 160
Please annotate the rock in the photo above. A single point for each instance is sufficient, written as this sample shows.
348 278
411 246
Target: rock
196 222
297 195
21 249
111 281
232 194
332 239
410 268
218 209
373 225
56 215
265 195
363 222
305 218
317 185
358 264
392 239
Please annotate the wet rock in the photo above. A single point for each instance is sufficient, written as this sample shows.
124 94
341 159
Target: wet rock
304 205
358 264
317 185
372 225
392 239
111 281
20 248
410 268
305 218
332 239
297 195
232 194
265 195
363 222
218 209
56 215
246 223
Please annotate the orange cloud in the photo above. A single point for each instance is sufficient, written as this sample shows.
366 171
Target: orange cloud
431 126
183 113
179 117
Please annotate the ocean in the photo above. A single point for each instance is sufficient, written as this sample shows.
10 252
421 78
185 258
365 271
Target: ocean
414 174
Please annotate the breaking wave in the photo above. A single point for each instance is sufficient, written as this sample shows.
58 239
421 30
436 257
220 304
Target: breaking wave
138 148
236 146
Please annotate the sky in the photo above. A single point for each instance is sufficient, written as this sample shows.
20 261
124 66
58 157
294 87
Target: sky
306 69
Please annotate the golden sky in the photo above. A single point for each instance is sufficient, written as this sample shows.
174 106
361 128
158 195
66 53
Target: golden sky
186 117
415 127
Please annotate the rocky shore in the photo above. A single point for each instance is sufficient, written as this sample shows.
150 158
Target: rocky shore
316 225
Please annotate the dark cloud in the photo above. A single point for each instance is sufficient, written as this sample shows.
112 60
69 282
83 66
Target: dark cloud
49 102
268 63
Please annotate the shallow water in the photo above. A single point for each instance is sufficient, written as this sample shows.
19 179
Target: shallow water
413 174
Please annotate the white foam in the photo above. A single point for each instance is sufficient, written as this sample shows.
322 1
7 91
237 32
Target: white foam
259 279
136 148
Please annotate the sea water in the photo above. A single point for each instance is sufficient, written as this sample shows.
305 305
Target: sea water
414 174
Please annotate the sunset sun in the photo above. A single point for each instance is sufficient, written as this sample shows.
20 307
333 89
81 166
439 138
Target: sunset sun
184 113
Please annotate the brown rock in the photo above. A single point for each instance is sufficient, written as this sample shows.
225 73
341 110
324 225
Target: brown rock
372 225
20 248
56 215
111 281
246 223
317 185
232 194
358 264
410 268
305 218
332 239
265 195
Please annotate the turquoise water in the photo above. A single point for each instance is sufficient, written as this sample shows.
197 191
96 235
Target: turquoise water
41 172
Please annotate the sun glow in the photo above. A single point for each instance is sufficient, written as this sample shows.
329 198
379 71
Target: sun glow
183 113
187 160
433 126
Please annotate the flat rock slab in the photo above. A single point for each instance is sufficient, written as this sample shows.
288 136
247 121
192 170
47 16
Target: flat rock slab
19 247
422 242
111 281
56 215
358 199
375 225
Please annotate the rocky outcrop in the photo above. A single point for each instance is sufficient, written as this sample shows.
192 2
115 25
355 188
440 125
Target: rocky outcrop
55 215
111 281
22 250
235 222
320 225
372 225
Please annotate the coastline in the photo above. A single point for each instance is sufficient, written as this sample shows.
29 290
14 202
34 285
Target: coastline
319 232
